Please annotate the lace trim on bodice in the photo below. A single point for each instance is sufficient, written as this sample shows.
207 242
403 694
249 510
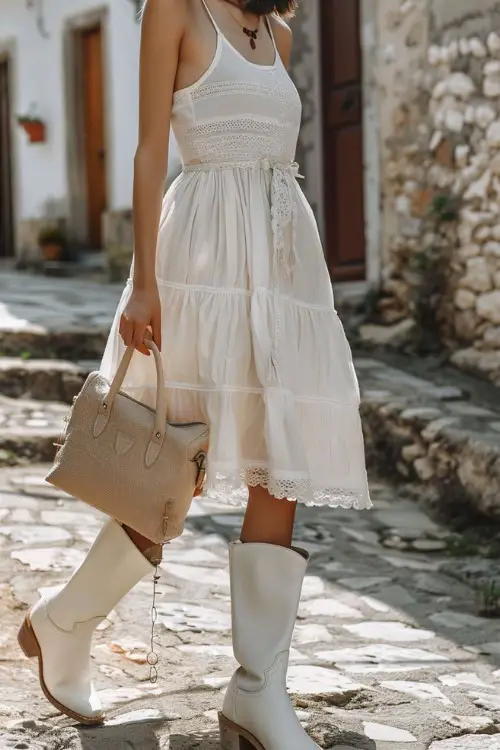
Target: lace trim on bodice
237 119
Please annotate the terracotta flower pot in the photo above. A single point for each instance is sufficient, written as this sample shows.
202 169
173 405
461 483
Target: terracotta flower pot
35 130
51 251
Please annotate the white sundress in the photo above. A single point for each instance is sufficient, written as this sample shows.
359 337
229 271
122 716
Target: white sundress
252 344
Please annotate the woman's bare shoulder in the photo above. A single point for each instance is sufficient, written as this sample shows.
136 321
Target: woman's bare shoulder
176 12
283 36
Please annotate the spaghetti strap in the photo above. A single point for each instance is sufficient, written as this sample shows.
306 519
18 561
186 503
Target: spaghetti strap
210 15
271 34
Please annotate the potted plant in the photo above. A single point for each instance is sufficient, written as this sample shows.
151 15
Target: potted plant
52 242
34 127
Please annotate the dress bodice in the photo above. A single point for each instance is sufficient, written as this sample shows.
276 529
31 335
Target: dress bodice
237 111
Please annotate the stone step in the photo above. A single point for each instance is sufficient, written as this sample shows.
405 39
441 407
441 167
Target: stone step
431 432
55 318
40 343
28 430
43 379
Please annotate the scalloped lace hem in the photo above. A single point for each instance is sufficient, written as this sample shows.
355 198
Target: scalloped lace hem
232 489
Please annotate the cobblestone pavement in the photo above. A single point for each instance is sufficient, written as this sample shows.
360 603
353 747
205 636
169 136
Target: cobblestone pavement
389 650
39 303
47 317
392 648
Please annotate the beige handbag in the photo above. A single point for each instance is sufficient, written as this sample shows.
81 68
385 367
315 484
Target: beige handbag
125 459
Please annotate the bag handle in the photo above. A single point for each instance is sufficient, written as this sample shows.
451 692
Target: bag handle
161 400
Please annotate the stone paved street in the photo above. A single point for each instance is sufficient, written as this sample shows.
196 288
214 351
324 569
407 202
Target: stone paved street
397 643
45 317
40 303
389 649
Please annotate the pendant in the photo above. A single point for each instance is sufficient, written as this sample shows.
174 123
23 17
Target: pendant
252 35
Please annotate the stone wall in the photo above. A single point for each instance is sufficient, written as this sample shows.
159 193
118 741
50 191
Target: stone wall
403 40
28 249
439 78
305 70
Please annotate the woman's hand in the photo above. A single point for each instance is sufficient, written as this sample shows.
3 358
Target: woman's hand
142 316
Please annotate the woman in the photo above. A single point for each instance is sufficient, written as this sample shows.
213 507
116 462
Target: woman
229 274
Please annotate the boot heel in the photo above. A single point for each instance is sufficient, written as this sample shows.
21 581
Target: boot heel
232 739
26 639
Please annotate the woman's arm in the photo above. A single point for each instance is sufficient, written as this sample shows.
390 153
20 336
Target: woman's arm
163 26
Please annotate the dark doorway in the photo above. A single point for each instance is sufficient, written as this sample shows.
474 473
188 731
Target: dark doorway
341 64
94 146
6 203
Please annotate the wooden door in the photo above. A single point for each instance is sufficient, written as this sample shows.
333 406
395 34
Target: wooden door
6 210
94 132
343 139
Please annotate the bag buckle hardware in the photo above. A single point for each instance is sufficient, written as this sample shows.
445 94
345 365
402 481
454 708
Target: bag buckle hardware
166 517
61 439
200 460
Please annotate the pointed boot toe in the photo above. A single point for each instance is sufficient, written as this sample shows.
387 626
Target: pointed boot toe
80 701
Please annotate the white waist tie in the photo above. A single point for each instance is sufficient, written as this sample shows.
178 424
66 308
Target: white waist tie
283 217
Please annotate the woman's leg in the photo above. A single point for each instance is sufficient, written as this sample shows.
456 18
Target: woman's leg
150 550
268 519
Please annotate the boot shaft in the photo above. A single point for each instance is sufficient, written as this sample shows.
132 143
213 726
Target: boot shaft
266 583
112 567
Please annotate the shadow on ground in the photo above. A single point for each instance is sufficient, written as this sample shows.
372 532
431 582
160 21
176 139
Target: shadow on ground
143 735
149 736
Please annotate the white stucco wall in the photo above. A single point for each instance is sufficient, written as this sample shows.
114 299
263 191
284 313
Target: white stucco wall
39 78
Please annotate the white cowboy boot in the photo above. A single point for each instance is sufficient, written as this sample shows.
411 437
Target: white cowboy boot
266 583
58 630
